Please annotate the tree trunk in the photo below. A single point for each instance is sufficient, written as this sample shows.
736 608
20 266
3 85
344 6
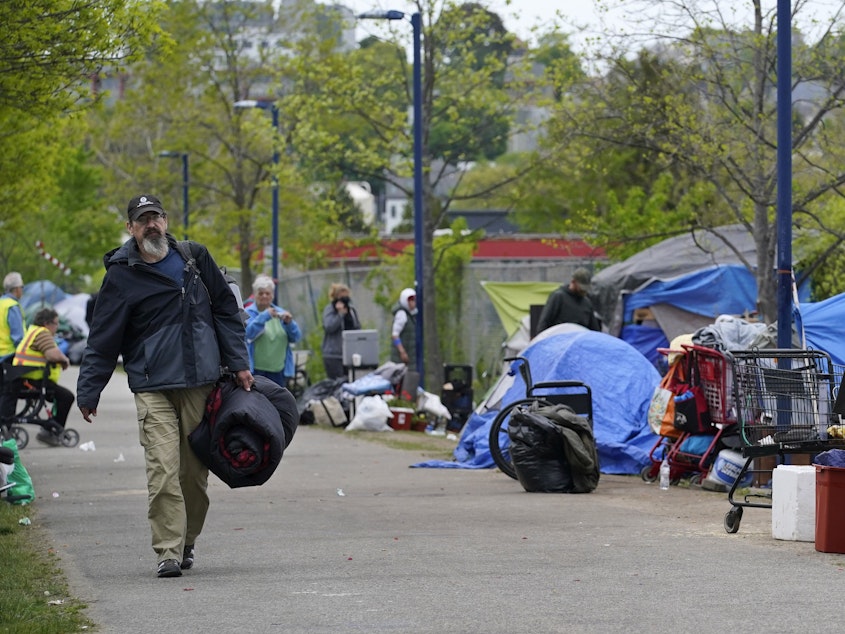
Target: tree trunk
765 240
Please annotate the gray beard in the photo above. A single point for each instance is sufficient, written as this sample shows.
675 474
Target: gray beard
155 246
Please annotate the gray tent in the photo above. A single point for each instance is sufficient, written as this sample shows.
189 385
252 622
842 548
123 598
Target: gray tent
678 286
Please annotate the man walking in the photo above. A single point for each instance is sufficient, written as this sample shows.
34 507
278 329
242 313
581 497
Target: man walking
176 323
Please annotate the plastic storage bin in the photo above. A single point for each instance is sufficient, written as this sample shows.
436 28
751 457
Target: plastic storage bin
830 509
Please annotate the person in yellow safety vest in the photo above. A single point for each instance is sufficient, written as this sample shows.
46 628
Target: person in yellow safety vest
38 348
11 333
11 315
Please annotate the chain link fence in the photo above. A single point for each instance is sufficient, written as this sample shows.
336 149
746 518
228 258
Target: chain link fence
480 333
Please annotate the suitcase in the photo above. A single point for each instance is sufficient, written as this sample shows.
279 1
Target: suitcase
329 411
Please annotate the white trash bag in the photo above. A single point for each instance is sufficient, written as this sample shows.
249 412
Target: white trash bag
431 404
371 414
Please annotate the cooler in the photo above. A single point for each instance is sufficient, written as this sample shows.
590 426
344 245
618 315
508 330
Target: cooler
401 419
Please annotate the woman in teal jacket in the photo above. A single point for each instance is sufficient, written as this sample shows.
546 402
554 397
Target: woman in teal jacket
269 332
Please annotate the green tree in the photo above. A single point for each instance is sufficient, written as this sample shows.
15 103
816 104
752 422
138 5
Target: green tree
716 130
453 252
49 47
210 67
607 180
459 93
49 51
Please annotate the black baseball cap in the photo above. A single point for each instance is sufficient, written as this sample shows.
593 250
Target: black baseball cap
142 204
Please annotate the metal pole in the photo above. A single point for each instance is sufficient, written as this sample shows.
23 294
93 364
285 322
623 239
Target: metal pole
419 209
419 212
784 167
185 192
275 111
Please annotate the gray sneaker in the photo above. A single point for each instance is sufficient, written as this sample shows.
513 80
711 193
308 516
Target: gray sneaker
169 568
187 557
49 438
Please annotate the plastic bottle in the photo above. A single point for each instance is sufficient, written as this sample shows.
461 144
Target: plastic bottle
664 474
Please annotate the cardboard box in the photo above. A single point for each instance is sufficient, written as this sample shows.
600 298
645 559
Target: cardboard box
401 420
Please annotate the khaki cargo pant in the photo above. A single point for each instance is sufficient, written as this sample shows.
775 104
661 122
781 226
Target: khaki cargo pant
176 479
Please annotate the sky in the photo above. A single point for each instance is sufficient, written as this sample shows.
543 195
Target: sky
518 17
522 14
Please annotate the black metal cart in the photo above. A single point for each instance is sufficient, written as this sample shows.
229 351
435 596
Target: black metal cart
784 403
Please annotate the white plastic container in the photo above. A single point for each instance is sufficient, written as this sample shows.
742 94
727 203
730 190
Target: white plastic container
794 503
727 467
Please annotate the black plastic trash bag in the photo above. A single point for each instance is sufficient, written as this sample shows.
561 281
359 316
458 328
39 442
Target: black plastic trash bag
537 453
553 450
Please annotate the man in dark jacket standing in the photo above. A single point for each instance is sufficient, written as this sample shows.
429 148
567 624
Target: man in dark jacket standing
176 326
570 304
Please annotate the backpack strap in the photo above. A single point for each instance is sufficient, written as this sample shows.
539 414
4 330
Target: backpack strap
187 252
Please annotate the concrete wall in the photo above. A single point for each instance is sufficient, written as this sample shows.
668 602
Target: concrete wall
482 333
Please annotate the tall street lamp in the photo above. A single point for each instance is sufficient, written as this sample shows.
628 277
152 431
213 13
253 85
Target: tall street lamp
784 175
274 110
416 24
184 157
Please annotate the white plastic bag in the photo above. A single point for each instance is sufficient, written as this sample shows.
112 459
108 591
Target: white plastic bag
657 407
431 404
371 414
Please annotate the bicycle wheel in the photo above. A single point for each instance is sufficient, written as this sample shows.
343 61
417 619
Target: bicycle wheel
17 432
499 440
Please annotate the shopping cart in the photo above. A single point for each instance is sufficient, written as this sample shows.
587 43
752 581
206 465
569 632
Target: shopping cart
709 369
784 405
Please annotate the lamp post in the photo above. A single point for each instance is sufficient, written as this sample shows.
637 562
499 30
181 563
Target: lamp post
184 157
274 110
784 175
416 24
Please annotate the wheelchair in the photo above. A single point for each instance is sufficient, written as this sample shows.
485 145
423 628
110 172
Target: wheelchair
33 405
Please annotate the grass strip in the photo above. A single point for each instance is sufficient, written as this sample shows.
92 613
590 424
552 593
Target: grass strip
34 597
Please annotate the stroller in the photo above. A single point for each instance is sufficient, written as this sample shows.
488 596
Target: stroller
33 406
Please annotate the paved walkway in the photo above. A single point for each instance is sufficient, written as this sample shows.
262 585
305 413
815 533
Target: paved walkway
346 538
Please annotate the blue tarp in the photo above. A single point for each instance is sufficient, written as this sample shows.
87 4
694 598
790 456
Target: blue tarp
710 292
646 339
622 383
40 293
823 326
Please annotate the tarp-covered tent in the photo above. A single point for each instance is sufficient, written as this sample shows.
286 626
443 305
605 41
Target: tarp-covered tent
685 282
512 300
73 329
44 293
39 294
622 383
822 322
